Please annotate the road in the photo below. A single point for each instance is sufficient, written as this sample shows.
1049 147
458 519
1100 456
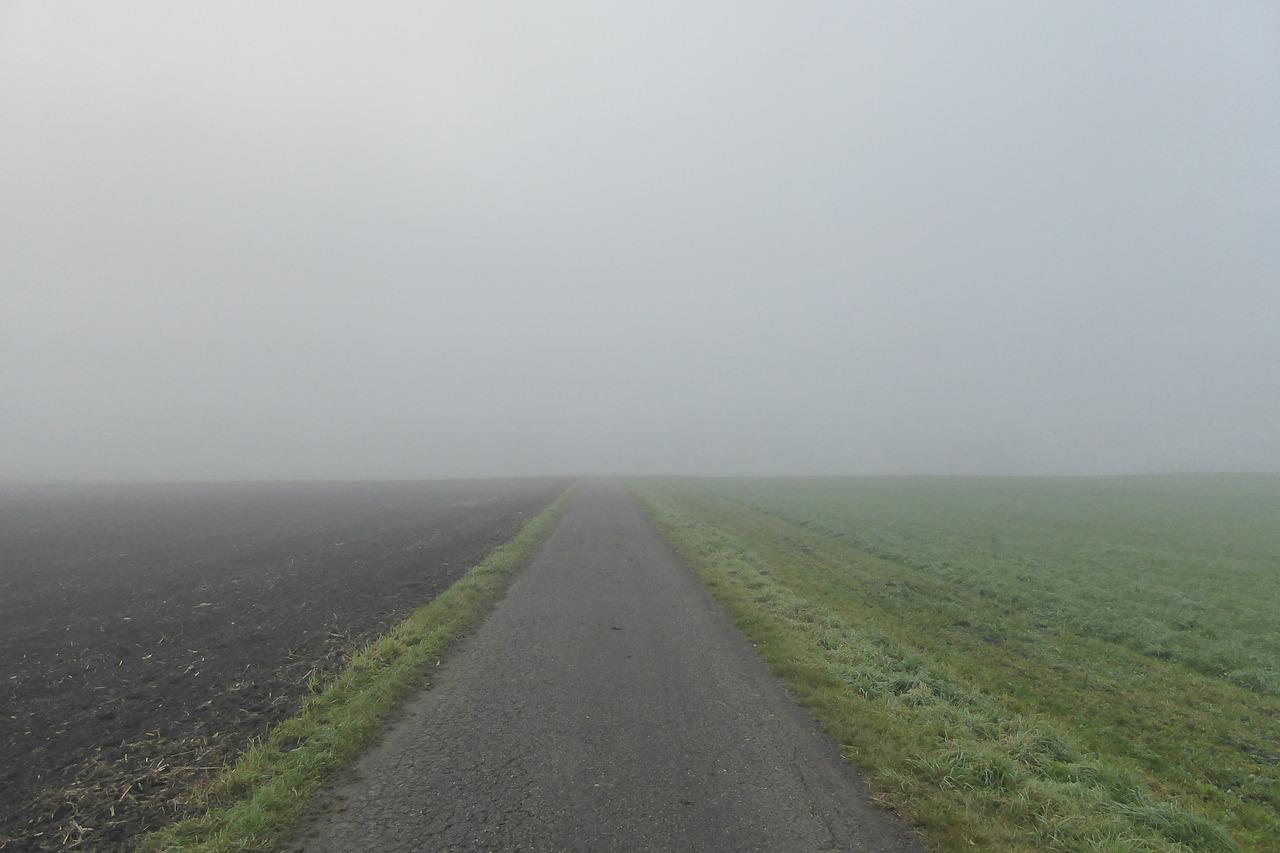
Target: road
607 704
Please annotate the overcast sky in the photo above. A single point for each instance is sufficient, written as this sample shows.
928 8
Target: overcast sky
313 240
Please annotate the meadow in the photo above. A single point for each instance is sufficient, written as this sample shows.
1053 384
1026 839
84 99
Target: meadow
1019 663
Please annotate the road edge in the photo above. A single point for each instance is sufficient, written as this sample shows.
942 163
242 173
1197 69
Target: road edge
264 794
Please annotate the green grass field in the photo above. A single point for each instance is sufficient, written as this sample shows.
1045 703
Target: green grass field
1077 664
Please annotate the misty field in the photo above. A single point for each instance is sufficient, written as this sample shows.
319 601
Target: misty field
149 633
1079 664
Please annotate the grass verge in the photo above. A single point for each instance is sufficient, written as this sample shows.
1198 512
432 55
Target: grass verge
953 727
260 798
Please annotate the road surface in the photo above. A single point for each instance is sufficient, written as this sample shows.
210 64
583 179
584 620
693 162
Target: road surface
607 704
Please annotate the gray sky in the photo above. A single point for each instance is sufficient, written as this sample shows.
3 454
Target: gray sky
247 240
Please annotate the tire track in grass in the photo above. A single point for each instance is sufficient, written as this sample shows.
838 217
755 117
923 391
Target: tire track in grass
947 756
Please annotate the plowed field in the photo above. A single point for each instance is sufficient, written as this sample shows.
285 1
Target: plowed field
147 633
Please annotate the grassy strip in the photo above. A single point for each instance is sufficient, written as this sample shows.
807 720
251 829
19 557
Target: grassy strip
1057 624
263 795
951 753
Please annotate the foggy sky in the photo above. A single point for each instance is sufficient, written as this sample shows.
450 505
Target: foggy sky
340 240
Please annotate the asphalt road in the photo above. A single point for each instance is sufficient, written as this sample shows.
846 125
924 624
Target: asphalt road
607 704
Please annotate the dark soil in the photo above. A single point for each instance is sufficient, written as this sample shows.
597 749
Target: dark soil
149 632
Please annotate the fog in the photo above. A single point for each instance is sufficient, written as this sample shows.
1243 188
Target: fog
323 240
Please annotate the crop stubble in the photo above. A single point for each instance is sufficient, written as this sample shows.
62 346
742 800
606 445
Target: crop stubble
147 633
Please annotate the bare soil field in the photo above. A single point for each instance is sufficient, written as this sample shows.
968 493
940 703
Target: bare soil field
149 632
